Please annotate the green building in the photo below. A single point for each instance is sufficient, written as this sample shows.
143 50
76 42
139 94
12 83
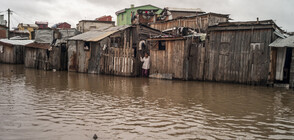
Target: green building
124 16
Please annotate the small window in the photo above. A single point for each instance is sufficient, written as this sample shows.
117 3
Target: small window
87 46
161 45
256 46
115 42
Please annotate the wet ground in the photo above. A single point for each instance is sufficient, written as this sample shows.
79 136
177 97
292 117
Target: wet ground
40 105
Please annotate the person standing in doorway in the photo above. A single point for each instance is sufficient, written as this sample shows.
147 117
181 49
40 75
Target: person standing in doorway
146 65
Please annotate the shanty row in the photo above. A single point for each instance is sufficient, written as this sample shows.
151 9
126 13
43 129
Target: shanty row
187 44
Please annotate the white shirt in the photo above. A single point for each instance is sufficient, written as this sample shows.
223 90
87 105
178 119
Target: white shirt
146 62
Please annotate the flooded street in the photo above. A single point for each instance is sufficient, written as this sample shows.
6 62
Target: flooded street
40 105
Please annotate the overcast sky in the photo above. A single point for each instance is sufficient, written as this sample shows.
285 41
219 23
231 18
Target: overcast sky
71 11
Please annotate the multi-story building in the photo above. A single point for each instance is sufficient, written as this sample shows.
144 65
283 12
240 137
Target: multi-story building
125 16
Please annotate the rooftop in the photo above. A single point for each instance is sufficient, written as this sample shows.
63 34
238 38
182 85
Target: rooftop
246 25
96 35
123 10
16 42
29 25
286 42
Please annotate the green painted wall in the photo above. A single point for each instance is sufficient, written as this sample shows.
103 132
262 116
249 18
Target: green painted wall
125 17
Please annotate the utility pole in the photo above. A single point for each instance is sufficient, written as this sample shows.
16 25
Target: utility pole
8 23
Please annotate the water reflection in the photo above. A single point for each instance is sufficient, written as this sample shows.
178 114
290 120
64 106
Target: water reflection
39 105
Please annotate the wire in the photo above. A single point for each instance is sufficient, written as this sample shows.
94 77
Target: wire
26 18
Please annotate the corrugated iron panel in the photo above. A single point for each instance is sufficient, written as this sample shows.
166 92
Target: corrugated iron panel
16 42
287 42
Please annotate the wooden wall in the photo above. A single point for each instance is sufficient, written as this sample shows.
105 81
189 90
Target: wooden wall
183 59
119 60
122 59
36 58
94 61
170 60
196 61
58 58
12 54
200 23
239 56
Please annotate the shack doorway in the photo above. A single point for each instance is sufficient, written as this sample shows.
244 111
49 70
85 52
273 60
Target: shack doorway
283 66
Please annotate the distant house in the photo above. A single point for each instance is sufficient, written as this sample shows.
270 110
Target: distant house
41 24
87 25
62 25
28 27
113 51
104 18
3 31
169 13
125 16
12 51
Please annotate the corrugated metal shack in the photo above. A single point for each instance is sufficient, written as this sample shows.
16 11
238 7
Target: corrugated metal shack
12 51
178 56
49 51
110 51
239 52
37 56
282 61
199 22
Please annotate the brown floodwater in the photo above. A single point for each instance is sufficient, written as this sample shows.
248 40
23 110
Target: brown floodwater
46 105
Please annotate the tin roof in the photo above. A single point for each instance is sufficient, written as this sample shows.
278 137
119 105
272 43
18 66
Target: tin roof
286 42
29 25
245 25
16 42
96 35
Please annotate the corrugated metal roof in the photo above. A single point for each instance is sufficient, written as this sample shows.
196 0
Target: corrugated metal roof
286 42
96 35
16 42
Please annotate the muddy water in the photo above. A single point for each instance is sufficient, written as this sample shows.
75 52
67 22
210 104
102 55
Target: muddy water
39 105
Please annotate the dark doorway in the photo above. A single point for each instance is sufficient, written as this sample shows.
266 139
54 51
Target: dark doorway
287 66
